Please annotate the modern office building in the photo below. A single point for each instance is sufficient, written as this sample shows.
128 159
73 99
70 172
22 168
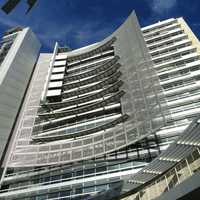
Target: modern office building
92 119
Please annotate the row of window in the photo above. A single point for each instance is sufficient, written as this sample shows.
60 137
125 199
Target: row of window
75 175
173 57
176 64
158 27
170 50
167 43
179 73
164 30
164 38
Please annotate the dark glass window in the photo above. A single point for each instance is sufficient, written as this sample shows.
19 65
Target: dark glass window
53 195
65 193
78 190
89 189
41 197
89 171
68 175
101 187
79 173
54 178
101 169
46 179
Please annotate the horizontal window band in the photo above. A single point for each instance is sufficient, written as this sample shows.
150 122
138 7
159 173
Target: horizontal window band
93 52
84 108
82 133
83 99
100 68
98 77
54 124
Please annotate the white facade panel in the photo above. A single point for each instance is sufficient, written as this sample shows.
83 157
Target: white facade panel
158 24
61 57
55 84
58 70
60 63
57 77
52 93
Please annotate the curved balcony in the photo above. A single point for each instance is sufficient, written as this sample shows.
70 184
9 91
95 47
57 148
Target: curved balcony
80 100
81 125
58 123
83 109
92 52
87 66
93 71
110 80
62 136
98 77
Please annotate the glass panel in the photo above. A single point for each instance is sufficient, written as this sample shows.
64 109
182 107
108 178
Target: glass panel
113 167
125 165
101 187
89 171
79 173
53 195
65 193
41 197
101 169
89 189
68 175
78 190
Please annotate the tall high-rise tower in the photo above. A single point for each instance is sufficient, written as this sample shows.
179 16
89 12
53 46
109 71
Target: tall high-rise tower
93 117
18 55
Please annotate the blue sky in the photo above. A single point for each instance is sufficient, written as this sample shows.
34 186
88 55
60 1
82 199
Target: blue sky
81 22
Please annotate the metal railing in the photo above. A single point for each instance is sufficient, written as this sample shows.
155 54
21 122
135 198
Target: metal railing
179 173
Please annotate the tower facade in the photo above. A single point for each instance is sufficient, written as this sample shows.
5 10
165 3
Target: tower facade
93 117
18 55
175 52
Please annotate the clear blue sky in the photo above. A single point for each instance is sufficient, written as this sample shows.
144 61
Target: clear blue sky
81 22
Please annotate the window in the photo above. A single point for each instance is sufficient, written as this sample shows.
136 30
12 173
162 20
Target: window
78 190
68 175
65 193
89 189
89 171
79 173
101 187
53 195
101 169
